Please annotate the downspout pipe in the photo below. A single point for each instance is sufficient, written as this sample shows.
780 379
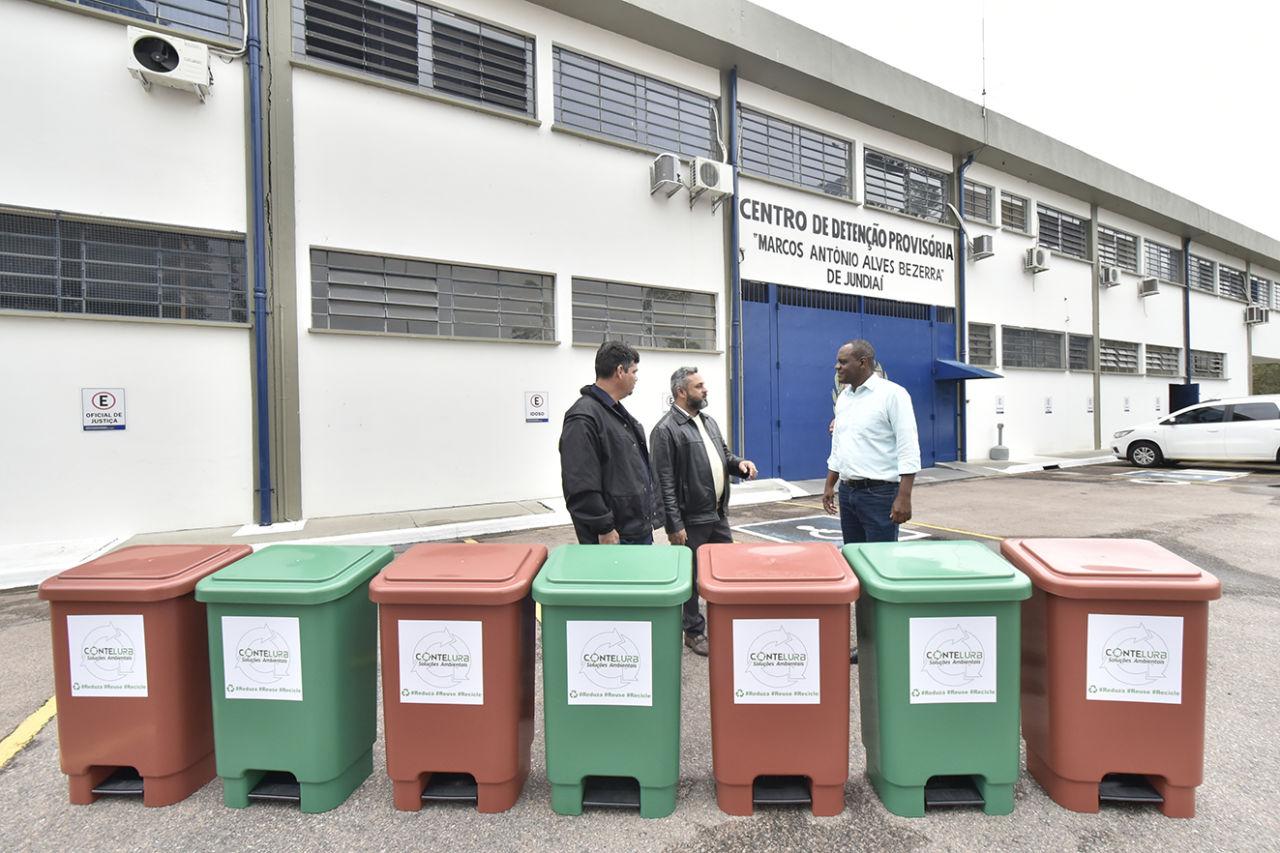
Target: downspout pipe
962 327
253 44
1186 307
735 296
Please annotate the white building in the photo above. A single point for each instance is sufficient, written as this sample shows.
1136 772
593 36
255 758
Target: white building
458 210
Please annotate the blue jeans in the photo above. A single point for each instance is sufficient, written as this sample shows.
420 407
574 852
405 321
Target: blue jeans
864 514
646 539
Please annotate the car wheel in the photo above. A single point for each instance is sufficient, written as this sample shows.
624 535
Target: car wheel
1145 454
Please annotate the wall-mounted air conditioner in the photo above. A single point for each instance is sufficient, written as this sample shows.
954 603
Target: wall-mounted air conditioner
1149 287
1036 260
1256 314
710 177
664 175
1109 276
983 247
168 60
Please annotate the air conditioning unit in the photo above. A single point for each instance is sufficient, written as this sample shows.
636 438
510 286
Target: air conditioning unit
664 175
1149 287
711 177
1036 260
983 247
1109 276
1256 314
168 60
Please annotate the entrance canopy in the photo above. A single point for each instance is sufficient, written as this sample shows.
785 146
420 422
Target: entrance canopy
945 369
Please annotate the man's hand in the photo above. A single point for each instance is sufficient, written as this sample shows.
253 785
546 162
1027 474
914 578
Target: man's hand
901 511
610 538
748 469
829 500
680 537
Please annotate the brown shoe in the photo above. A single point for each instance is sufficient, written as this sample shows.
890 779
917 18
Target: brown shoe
697 643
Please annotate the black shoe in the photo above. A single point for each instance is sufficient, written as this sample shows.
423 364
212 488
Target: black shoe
853 656
697 643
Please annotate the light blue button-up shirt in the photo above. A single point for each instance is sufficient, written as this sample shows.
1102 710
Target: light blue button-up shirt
875 434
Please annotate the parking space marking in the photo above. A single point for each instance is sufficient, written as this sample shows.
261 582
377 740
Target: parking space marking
1180 477
811 528
26 731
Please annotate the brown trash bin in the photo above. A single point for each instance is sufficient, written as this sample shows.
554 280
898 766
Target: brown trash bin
131 671
458 632
778 636
1114 652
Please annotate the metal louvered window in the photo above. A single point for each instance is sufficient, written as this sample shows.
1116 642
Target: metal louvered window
1033 348
1163 262
642 316
1208 365
1063 232
1260 291
905 187
219 19
1118 356
52 263
793 153
619 104
1079 352
420 45
1163 361
1203 274
982 344
1231 282
1013 212
368 293
1117 249
977 202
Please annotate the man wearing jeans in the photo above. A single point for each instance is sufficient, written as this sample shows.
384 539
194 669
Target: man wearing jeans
875 452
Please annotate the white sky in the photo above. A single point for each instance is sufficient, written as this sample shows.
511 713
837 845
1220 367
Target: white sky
1183 94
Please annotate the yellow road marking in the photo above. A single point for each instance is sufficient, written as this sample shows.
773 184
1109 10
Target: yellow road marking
26 730
469 541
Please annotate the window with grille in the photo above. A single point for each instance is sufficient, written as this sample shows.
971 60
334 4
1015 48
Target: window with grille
1118 356
642 316
1259 291
1117 249
1231 282
1080 352
793 153
1163 262
1208 365
1013 212
1203 274
53 263
906 187
977 202
627 106
1031 348
982 344
219 19
420 45
1163 361
1063 232
368 293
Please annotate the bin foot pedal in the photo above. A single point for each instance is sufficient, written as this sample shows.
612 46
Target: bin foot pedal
781 791
1127 788
949 791
611 792
450 788
278 787
125 782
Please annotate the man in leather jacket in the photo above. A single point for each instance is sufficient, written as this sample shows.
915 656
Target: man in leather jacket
604 463
692 466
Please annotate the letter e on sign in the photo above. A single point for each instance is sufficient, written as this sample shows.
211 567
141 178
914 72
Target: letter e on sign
536 408
102 409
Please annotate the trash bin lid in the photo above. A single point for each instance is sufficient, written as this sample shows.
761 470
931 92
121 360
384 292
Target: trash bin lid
768 573
457 573
616 576
935 572
294 574
1110 569
141 573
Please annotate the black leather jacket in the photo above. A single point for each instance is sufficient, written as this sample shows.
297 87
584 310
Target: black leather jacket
683 474
604 469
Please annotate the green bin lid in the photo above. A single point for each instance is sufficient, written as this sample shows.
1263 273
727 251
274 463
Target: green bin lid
616 576
935 572
294 574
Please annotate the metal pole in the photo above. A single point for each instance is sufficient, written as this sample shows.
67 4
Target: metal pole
253 57
735 295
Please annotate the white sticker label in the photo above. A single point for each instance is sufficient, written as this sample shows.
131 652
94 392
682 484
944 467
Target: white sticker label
536 409
953 659
108 655
262 657
775 662
441 662
610 663
102 409
1134 659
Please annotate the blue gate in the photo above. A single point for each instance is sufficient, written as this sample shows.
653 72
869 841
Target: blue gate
790 338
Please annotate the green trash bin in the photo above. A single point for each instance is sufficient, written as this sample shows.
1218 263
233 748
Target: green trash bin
611 645
293 664
939 653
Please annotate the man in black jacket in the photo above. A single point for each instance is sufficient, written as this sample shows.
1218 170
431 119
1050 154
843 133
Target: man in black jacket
693 465
604 463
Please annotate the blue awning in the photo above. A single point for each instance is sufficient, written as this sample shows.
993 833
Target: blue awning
945 368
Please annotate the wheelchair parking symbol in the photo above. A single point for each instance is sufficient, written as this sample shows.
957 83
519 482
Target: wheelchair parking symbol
812 528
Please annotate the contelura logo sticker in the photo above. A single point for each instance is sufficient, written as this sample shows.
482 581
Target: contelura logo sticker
776 662
953 659
609 663
1134 658
108 655
441 661
262 657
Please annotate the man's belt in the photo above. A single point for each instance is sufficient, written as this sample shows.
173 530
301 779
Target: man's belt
853 483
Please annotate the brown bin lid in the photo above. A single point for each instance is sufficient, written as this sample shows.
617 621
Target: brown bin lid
1110 569
141 573
459 573
767 573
